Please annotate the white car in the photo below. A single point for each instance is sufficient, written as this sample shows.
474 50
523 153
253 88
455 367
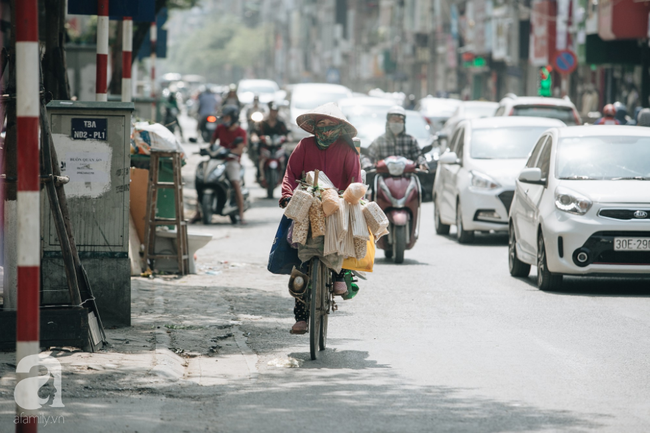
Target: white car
582 205
475 180
537 106
467 110
307 96
267 91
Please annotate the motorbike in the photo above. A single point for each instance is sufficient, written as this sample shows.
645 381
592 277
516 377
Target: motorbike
218 195
398 193
207 125
253 125
273 159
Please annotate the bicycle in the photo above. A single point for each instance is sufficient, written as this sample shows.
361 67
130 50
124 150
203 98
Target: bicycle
320 302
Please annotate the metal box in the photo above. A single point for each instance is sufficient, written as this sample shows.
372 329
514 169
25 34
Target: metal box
92 143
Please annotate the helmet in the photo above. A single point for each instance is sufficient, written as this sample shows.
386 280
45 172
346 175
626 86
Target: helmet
273 106
396 110
609 110
232 87
233 112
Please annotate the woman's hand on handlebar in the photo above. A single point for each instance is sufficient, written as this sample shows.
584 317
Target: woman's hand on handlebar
284 201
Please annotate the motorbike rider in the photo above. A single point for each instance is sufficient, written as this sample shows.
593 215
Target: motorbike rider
252 109
394 142
332 151
271 125
609 116
208 103
231 97
171 112
231 136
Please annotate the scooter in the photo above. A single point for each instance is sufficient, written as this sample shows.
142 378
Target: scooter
207 126
218 196
273 159
398 193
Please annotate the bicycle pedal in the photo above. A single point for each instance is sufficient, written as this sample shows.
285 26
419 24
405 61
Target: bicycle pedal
334 306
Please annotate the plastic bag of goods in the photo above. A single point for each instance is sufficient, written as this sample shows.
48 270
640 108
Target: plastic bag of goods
358 223
298 207
344 217
317 218
346 245
323 181
376 219
300 231
355 192
331 201
360 248
334 227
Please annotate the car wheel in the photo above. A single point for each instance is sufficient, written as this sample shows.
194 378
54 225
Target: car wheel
441 229
546 280
463 236
517 267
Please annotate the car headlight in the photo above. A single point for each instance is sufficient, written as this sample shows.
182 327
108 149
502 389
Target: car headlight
482 181
570 201
396 167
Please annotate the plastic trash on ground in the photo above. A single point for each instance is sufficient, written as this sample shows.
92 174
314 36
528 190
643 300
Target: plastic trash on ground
154 137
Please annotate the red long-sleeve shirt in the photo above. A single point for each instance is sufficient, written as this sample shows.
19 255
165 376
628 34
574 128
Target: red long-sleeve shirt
339 162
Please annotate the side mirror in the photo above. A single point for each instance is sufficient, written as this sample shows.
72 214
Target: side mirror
448 158
426 149
193 140
531 175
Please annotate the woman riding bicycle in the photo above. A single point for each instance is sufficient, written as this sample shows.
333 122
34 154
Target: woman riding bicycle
331 150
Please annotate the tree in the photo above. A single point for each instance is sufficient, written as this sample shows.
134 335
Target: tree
224 43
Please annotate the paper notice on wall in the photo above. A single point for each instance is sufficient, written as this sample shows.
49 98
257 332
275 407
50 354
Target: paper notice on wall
87 163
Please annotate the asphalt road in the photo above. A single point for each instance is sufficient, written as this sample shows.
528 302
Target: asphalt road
446 341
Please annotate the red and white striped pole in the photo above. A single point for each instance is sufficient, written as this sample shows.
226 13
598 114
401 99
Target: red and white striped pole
28 205
127 48
101 85
153 31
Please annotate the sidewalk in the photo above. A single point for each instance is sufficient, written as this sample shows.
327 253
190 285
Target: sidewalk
186 342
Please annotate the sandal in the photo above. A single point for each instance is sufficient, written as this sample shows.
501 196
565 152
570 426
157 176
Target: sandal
299 327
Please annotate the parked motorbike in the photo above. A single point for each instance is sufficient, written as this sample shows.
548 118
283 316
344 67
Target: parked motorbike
207 126
217 194
273 159
398 193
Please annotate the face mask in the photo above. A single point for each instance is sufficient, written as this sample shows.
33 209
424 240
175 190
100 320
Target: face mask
396 128
326 135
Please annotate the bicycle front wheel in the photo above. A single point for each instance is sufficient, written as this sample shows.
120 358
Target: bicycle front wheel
315 297
325 296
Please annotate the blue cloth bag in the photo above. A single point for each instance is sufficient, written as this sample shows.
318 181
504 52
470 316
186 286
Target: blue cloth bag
283 257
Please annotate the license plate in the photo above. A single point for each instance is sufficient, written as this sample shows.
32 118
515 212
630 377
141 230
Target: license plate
211 126
631 244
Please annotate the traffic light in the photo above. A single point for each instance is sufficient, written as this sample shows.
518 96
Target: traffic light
545 81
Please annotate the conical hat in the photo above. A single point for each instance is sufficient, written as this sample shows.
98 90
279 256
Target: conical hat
330 110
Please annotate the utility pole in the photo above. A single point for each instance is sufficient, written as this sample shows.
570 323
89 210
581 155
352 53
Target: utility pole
127 48
28 208
102 51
